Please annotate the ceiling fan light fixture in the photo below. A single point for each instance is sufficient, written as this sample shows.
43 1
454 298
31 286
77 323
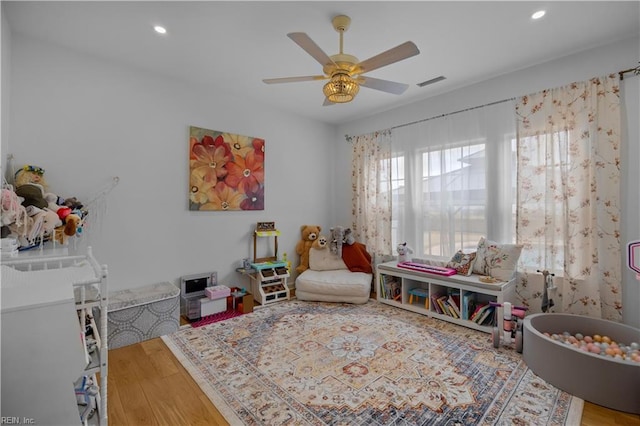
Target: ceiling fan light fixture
341 88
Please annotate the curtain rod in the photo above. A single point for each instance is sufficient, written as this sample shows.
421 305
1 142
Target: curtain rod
349 138
635 71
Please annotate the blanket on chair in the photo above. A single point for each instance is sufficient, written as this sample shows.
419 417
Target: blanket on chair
357 258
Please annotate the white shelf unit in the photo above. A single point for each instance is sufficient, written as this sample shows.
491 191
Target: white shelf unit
436 284
45 297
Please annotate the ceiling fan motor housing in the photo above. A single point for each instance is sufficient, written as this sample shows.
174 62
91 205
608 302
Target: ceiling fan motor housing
341 88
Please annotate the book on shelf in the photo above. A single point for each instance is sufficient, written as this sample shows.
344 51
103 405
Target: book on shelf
435 304
468 304
480 309
443 306
385 289
452 310
454 302
489 319
480 319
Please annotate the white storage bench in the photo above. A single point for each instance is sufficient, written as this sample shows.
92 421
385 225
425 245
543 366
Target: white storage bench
143 313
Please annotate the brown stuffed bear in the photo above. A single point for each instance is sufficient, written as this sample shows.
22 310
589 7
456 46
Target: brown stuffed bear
309 234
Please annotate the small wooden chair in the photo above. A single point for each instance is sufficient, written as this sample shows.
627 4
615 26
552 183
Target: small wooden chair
419 292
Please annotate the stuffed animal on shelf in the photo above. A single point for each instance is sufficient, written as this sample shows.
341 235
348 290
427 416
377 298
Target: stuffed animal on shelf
403 251
309 233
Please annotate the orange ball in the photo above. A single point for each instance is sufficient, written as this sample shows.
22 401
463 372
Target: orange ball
597 338
606 339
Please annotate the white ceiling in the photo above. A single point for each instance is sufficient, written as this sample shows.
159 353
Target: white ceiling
231 46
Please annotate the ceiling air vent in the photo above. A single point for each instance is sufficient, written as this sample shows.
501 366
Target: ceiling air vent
433 80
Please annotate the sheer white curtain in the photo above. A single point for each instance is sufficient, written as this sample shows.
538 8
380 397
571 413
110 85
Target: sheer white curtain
371 202
569 196
454 180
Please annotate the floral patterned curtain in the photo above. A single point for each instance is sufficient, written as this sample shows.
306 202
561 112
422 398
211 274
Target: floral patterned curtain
371 186
568 189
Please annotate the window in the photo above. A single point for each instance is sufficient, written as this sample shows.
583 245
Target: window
453 181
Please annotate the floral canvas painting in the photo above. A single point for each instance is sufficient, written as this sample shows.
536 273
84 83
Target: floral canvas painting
226 171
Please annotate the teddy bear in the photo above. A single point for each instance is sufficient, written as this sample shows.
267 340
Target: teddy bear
320 243
309 234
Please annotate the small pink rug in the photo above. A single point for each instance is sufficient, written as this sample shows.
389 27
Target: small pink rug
210 319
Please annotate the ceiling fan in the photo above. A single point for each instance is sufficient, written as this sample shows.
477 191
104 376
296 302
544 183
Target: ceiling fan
344 71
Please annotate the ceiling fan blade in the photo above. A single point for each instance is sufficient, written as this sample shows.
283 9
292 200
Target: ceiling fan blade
310 46
398 53
383 85
294 79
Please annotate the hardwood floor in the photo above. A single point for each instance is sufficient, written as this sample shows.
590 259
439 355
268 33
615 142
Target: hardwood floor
148 386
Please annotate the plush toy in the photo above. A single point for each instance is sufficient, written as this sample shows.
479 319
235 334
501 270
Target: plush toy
31 185
337 238
309 234
403 251
320 243
30 174
50 221
348 239
73 203
32 194
72 226
12 208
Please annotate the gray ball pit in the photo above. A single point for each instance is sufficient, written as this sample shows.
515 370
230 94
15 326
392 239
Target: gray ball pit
595 378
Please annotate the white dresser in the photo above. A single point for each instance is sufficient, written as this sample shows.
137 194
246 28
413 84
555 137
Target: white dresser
43 351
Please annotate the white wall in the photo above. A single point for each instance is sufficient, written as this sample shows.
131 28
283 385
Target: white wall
603 60
86 121
4 89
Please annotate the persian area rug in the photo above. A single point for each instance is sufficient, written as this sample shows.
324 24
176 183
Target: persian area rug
306 363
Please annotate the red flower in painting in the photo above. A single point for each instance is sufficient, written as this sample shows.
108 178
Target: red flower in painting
245 174
210 158
217 142
254 200
258 148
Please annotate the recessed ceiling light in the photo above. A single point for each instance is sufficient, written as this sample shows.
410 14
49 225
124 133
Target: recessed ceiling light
539 14
160 30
